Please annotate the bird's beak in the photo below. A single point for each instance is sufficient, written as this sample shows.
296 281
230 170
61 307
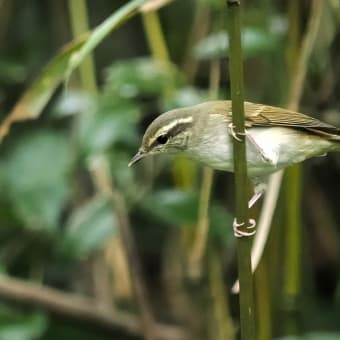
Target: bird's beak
137 157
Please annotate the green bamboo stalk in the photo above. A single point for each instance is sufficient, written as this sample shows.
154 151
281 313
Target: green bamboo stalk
263 302
247 317
80 25
155 36
293 232
293 194
184 170
156 41
222 325
79 18
199 29
201 237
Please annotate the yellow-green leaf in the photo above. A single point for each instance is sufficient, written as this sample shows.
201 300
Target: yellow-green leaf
32 102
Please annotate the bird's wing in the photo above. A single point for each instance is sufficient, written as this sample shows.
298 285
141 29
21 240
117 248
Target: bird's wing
263 115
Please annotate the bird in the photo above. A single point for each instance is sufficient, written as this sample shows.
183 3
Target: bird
275 139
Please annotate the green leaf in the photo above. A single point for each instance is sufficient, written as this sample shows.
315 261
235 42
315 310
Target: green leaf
140 76
103 30
73 102
255 42
112 122
36 173
33 101
89 228
181 207
173 206
186 96
123 175
221 223
14 326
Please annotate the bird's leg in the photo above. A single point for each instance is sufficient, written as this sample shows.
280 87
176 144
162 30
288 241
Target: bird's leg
231 128
252 223
242 233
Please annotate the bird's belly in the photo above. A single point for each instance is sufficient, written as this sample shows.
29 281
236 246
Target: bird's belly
280 147
268 150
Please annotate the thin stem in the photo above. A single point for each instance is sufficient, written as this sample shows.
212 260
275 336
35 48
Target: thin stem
100 169
135 266
157 43
79 308
201 237
264 303
80 25
308 42
155 36
79 15
184 170
247 317
293 237
293 194
198 31
115 261
223 325
264 223
275 181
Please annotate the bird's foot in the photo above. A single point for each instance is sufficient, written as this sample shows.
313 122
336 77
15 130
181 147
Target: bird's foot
242 233
231 128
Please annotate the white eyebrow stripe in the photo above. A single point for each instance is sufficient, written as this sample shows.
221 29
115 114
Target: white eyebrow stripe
166 128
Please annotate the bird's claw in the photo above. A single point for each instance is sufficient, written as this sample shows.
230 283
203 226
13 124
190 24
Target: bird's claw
242 233
231 128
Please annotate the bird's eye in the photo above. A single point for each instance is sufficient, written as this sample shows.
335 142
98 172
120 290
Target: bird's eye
162 139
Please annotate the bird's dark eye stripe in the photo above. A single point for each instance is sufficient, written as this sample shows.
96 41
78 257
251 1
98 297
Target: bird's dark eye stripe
175 130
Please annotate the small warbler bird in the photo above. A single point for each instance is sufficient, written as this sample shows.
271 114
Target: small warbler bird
275 137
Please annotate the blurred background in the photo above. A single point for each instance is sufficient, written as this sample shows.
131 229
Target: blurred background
91 249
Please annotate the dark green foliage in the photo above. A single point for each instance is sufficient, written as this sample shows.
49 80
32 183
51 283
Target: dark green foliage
55 222
111 123
88 228
180 208
36 175
141 76
20 326
255 41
